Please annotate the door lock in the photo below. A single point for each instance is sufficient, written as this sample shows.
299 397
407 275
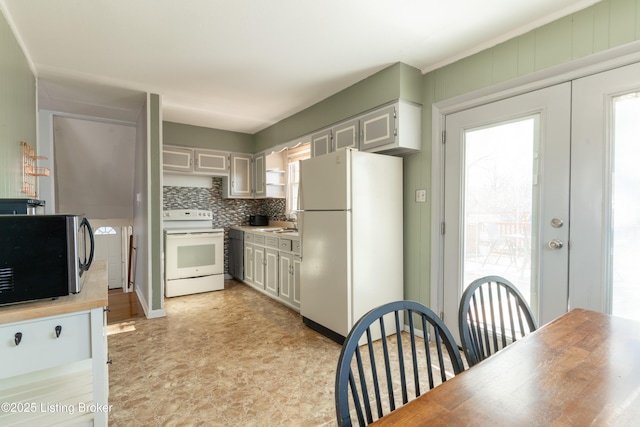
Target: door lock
556 244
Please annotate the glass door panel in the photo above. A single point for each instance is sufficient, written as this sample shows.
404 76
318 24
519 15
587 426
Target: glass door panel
625 207
498 206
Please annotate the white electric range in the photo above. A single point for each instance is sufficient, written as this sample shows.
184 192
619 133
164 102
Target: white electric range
193 252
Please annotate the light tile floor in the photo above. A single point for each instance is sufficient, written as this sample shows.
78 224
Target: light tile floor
227 358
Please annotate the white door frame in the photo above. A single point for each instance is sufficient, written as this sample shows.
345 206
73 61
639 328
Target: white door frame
593 64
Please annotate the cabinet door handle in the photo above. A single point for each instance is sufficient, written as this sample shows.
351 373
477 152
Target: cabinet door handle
18 337
58 331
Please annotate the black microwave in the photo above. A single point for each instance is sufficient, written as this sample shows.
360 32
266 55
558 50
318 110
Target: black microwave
43 256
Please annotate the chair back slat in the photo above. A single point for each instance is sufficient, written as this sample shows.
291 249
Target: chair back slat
363 385
427 352
500 307
376 383
401 367
393 353
414 353
492 315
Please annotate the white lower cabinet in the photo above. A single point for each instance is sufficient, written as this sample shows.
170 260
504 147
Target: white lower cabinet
271 271
258 266
276 266
249 267
53 370
289 271
284 277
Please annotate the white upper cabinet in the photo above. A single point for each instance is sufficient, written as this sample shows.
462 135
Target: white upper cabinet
346 135
321 143
259 175
212 162
394 129
195 160
177 159
239 183
378 128
342 135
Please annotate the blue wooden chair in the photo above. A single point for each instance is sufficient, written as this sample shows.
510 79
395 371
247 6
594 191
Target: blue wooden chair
375 376
492 315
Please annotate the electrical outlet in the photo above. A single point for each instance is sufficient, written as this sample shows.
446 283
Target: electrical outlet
421 196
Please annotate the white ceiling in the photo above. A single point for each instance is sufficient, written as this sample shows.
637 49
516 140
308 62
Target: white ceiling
243 65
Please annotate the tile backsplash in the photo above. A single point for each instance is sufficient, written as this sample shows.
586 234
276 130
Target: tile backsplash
226 212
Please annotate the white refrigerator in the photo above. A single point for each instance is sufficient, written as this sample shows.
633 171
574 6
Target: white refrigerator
351 236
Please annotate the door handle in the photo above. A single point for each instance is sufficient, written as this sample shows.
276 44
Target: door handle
556 244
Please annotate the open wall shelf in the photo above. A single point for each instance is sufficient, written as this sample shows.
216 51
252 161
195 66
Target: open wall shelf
30 169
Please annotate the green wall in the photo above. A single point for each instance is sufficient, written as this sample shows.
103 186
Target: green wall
398 81
394 82
602 26
17 110
202 137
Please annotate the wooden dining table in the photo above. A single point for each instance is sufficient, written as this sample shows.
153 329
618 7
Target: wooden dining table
582 369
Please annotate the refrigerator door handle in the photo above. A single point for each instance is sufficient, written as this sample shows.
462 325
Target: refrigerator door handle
300 218
300 204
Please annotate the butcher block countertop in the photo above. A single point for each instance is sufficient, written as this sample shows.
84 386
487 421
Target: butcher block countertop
94 294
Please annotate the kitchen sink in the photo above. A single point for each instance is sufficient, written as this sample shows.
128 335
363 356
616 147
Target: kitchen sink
280 230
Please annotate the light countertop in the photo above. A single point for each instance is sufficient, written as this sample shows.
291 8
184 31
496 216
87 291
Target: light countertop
94 294
260 229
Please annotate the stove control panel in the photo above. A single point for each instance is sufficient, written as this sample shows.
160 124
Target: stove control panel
187 215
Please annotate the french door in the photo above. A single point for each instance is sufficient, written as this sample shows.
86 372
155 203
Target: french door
604 267
542 189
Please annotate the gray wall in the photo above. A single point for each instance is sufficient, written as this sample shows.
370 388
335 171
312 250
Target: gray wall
17 111
94 163
154 190
201 137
